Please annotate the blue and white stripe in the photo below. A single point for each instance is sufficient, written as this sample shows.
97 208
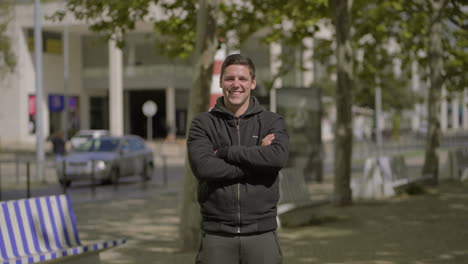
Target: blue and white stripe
43 228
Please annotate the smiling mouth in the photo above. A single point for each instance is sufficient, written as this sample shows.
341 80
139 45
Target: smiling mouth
235 93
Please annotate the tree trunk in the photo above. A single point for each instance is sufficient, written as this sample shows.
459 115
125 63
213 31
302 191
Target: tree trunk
343 128
431 159
189 228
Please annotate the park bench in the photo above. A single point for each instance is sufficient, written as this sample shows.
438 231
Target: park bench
44 229
294 193
293 190
458 164
296 199
384 177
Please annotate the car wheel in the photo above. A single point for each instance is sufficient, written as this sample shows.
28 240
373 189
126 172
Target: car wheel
65 183
147 173
114 176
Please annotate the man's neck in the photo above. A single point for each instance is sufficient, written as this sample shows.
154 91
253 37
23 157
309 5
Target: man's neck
238 110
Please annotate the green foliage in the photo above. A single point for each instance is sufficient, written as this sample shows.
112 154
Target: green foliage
7 57
112 18
415 21
177 30
374 24
285 22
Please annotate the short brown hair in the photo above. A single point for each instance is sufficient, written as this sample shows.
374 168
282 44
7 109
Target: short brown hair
238 59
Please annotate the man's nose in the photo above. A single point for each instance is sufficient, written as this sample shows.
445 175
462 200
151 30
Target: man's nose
236 82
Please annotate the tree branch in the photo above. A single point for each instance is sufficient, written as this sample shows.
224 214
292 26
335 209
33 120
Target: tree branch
439 14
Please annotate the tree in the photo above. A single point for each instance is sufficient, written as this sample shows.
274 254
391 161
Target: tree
434 33
7 57
431 160
343 130
291 23
177 39
205 49
436 66
375 26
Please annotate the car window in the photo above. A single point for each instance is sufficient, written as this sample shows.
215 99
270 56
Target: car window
99 145
85 147
140 143
125 145
84 136
132 145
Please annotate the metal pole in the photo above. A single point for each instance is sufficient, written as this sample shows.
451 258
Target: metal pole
40 153
0 180
164 170
149 128
65 178
145 172
28 183
93 190
17 167
65 80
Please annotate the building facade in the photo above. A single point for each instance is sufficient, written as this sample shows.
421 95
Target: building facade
89 83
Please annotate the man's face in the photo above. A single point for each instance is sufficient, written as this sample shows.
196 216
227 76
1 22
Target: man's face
237 84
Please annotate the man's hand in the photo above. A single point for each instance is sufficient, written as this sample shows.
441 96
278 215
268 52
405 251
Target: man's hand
266 141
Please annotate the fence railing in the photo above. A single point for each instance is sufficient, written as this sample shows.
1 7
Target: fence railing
19 179
18 172
363 149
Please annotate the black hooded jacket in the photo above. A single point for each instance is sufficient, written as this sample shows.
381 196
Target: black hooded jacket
238 184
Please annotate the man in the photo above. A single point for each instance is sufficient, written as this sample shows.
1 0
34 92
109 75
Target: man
58 145
236 151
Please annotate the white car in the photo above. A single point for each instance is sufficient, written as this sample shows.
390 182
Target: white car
84 135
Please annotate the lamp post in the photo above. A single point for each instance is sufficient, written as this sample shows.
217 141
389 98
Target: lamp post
40 153
65 78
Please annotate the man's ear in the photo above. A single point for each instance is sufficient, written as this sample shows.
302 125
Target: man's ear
254 84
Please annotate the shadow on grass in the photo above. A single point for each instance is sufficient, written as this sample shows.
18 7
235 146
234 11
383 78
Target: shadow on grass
431 228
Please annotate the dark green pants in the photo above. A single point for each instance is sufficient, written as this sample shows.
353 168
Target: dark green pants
245 249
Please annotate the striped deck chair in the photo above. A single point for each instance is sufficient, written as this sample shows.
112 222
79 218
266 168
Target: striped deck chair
44 230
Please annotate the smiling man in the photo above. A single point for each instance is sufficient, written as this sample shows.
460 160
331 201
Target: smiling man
236 152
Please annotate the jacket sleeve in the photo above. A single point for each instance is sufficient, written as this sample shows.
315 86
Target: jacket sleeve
258 157
205 164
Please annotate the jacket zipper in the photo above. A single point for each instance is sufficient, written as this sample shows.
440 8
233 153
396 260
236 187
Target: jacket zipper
238 183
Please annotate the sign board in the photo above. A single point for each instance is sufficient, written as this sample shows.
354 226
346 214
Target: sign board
150 108
301 110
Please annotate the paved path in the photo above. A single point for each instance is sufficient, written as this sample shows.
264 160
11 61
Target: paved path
428 228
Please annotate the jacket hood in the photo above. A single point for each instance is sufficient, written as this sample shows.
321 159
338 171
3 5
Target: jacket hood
254 107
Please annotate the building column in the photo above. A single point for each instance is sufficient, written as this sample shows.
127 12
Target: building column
275 66
465 109
171 112
308 58
443 111
115 89
455 123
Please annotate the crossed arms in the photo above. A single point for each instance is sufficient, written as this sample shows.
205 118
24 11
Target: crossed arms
225 163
